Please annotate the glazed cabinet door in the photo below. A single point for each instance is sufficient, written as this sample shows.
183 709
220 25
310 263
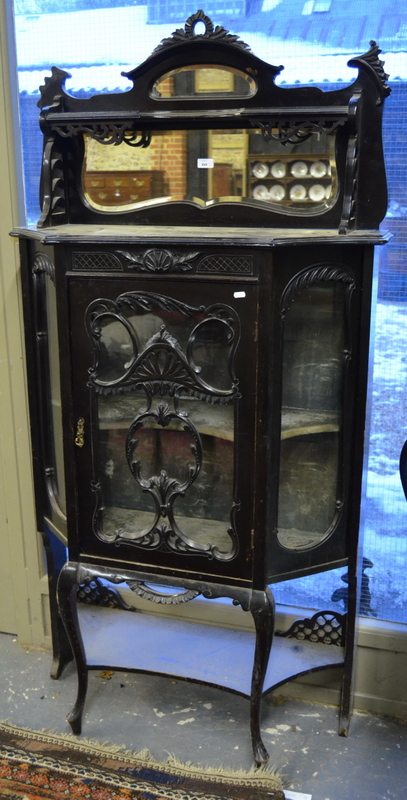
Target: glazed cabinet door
163 411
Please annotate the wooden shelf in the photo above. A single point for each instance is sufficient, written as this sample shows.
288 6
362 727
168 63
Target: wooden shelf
210 421
181 649
304 422
133 521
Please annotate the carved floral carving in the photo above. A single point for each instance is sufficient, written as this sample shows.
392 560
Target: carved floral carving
165 598
218 34
162 367
159 260
294 132
43 263
53 87
308 277
114 133
372 61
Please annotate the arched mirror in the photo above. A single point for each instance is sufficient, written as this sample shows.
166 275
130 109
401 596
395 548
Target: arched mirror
203 81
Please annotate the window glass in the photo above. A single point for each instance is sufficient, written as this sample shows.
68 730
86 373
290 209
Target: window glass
314 42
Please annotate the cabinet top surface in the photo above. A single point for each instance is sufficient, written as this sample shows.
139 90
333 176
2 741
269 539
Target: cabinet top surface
265 237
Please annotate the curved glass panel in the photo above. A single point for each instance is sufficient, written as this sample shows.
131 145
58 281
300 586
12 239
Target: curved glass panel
55 420
211 166
311 420
202 81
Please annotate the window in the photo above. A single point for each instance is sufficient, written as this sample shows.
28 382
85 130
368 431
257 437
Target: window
316 6
320 6
95 44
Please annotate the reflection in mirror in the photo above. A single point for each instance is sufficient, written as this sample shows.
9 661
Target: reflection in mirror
311 415
197 81
209 166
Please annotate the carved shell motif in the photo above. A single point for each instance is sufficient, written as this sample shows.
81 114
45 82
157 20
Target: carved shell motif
159 260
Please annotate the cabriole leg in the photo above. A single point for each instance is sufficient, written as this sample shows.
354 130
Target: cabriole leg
67 604
61 649
262 610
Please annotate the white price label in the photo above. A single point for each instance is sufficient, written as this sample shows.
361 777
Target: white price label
205 163
296 795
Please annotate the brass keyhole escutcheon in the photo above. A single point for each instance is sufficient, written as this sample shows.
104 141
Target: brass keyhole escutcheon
80 432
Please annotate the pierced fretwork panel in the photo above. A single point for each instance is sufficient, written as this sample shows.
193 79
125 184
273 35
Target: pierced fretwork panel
234 265
101 262
325 627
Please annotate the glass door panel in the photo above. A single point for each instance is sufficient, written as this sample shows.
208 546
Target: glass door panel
161 482
166 398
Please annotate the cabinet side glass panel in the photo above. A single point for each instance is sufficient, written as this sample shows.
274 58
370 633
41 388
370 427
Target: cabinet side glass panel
311 420
56 473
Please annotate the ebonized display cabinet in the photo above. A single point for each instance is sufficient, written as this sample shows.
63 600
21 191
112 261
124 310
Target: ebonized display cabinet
204 262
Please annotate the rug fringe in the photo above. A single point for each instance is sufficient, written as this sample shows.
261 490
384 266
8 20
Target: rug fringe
265 771
262 776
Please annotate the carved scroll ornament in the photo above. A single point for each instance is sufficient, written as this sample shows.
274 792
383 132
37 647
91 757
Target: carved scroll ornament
212 33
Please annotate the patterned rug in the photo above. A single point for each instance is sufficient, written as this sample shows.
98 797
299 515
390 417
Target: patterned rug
35 765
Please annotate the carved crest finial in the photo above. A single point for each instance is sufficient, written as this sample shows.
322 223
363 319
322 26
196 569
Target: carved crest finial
188 33
53 87
372 61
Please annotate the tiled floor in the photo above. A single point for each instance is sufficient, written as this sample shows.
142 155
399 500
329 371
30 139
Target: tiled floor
210 727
